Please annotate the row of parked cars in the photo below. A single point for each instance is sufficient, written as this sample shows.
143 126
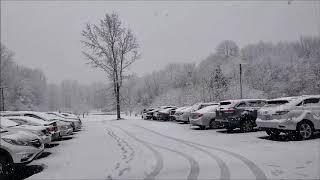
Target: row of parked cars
25 134
298 116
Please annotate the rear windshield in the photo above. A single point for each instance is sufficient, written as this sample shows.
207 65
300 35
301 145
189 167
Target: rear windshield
277 102
225 103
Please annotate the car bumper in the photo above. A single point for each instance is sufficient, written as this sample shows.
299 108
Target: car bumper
55 135
197 122
281 124
26 155
46 139
228 122
66 132
182 118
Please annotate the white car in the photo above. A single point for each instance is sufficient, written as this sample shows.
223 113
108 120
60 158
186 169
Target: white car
75 122
184 115
37 126
63 128
204 117
18 148
39 131
297 115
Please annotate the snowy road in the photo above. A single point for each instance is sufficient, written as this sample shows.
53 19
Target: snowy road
140 149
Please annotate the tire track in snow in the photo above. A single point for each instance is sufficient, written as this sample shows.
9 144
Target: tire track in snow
158 156
127 153
194 165
259 174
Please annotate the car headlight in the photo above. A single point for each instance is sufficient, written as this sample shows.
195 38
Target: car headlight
16 142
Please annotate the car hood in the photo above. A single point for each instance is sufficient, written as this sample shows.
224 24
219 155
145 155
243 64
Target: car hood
19 135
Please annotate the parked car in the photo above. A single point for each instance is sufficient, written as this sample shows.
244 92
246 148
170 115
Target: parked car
17 148
241 113
299 116
205 117
62 128
145 114
184 115
179 111
40 131
161 108
51 126
75 122
70 115
164 114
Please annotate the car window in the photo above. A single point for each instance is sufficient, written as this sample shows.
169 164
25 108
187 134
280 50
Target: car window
311 102
242 105
32 115
256 103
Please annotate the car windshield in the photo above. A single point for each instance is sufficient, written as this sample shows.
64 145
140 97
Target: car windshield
208 109
276 103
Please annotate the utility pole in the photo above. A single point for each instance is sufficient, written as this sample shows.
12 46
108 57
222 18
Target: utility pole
240 81
2 99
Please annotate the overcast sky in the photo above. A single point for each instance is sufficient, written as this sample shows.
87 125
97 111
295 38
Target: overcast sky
46 35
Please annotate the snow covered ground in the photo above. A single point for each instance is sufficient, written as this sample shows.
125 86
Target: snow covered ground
143 149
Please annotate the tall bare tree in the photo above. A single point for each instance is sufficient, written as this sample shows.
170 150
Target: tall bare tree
111 47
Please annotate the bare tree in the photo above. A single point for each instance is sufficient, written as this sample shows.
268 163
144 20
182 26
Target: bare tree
112 48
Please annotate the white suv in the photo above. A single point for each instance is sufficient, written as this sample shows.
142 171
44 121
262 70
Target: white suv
17 148
292 115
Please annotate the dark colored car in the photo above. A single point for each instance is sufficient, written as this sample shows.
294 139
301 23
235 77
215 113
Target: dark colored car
164 114
240 113
146 114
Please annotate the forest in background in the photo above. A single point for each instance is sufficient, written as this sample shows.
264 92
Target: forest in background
270 70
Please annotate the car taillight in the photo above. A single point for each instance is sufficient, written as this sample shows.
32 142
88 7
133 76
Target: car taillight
231 110
200 115
50 129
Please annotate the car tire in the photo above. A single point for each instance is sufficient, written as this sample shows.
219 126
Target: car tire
273 133
212 124
5 168
202 127
305 130
230 129
246 126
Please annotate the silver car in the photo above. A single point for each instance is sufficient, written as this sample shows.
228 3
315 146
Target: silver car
292 115
184 115
18 148
205 117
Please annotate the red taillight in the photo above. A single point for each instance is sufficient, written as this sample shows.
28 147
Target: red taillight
229 110
50 129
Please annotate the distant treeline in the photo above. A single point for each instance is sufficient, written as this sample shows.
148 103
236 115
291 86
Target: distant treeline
269 70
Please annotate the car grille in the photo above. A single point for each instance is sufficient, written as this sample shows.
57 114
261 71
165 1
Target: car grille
36 143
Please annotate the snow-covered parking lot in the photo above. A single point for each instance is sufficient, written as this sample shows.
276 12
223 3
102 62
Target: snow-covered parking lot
142 149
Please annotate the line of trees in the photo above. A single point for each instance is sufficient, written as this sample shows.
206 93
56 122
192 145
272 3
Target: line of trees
269 70
27 89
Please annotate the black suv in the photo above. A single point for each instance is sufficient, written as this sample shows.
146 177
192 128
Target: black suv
240 113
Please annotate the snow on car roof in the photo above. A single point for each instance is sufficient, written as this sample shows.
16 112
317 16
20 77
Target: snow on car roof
29 119
7 123
208 108
239 100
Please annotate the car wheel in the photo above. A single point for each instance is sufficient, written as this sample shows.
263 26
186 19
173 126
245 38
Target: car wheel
246 126
273 133
212 124
305 130
4 166
202 127
230 129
